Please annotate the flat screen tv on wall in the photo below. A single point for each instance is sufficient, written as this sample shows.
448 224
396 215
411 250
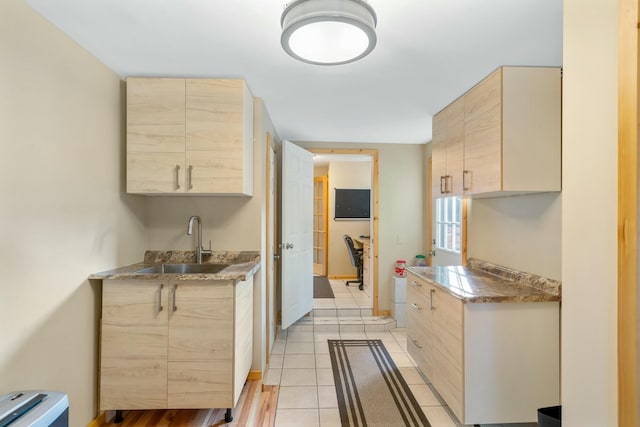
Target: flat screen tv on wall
352 204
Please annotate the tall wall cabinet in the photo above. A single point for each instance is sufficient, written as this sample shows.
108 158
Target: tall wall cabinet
189 136
505 136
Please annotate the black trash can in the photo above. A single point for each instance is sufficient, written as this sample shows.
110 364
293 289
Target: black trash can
550 417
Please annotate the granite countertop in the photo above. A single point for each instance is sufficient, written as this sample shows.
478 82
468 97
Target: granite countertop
242 265
482 282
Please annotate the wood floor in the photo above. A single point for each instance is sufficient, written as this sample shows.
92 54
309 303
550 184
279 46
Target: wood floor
256 407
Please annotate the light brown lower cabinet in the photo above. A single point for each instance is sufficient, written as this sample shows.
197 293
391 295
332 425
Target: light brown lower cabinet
492 363
174 344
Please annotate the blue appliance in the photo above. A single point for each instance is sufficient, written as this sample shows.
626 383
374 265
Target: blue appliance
34 408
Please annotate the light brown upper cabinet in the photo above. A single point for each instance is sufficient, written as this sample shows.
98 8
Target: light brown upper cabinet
511 131
189 136
447 150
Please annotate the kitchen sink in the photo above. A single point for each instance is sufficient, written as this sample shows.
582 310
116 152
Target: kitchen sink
183 269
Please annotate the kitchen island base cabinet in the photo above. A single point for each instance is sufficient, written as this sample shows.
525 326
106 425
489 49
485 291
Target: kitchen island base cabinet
174 345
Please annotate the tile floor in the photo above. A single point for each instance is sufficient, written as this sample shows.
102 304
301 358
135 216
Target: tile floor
300 362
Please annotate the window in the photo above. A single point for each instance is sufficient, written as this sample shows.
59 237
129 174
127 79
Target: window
449 224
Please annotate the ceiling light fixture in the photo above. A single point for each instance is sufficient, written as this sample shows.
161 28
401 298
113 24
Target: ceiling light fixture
328 32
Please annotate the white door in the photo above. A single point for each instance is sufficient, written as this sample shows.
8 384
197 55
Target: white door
447 231
297 233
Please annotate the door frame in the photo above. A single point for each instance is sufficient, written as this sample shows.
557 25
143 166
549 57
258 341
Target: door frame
374 195
270 303
325 221
628 99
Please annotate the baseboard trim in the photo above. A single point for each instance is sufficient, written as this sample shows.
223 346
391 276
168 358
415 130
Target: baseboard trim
341 277
255 375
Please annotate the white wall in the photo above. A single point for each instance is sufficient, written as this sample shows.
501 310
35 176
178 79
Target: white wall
63 214
401 192
345 174
521 232
589 214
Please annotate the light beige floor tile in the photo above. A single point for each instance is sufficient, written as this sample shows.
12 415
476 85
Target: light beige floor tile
351 328
351 320
295 329
423 394
275 360
375 328
299 361
438 416
327 397
384 336
323 361
402 360
324 303
273 376
298 377
300 337
299 348
297 418
349 303
324 312
298 397
325 376
411 376
278 347
330 417
392 347
327 327
321 347
348 312
366 310
353 335
324 336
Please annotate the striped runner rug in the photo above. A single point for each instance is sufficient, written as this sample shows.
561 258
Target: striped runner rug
370 388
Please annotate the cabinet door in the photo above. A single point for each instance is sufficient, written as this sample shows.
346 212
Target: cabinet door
439 155
200 345
243 336
483 136
155 135
133 371
448 350
215 135
455 146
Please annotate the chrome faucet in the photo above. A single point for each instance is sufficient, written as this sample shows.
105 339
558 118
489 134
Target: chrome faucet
199 249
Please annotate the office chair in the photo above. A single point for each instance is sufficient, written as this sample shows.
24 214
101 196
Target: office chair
356 260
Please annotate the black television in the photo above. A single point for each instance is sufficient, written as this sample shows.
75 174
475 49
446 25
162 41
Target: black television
352 204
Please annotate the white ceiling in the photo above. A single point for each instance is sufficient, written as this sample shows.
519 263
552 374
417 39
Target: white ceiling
429 52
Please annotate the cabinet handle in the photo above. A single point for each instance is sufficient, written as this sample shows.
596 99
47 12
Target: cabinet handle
416 284
160 308
431 292
450 187
464 180
416 343
416 306
190 187
177 177
443 185
173 299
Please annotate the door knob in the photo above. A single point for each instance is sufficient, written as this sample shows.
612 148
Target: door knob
288 246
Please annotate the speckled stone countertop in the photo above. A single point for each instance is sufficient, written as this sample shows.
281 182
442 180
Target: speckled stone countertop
242 265
483 282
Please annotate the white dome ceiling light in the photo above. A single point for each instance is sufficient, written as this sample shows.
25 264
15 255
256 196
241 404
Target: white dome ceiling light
328 32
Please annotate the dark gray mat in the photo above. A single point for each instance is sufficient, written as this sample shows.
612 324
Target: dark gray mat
322 288
370 388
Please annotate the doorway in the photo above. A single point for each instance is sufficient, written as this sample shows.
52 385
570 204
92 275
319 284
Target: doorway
352 169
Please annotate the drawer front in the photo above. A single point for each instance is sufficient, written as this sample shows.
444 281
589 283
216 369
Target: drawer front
418 284
419 346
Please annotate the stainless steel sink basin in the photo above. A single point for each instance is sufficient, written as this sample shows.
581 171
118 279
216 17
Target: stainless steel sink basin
183 269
